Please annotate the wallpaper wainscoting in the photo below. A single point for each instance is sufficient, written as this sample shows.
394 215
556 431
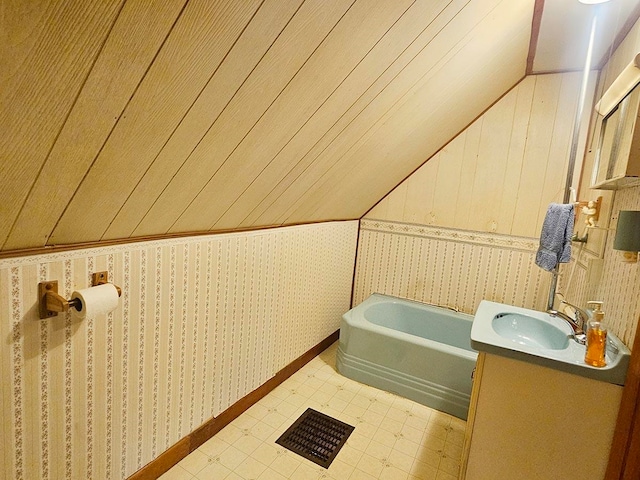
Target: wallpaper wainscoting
202 322
573 282
619 285
445 266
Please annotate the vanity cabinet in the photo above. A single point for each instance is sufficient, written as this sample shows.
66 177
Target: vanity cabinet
534 422
618 156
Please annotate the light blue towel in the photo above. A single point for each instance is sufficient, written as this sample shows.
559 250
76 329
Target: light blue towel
555 238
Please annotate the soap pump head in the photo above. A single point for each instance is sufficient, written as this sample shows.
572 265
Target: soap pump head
595 306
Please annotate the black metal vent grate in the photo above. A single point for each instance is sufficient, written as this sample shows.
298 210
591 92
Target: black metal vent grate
316 437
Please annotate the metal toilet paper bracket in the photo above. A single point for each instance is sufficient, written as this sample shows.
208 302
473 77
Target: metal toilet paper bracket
50 303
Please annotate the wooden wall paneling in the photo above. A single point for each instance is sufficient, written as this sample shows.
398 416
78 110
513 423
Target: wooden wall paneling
492 161
291 50
379 210
415 63
131 46
362 27
386 54
396 204
432 121
265 28
557 159
443 174
519 103
197 45
393 133
485 167
421 193
47 54
539 135
471 139
447 184
587 143
517 142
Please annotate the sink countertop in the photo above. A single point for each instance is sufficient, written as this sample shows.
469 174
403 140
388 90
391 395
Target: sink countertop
569 359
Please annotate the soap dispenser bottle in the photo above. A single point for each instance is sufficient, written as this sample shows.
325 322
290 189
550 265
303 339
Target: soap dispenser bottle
596 338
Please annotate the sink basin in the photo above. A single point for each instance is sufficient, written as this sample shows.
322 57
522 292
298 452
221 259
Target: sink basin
537 337
530 331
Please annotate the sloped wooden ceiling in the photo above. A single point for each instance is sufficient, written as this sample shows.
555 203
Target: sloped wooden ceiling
135 118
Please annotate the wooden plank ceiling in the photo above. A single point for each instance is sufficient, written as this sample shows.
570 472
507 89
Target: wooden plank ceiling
134 118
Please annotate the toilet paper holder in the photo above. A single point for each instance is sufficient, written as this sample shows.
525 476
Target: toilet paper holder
50 303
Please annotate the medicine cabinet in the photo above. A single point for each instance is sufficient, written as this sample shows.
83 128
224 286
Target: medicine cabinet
617 162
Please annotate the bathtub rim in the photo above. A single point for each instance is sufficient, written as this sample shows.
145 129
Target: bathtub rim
355 318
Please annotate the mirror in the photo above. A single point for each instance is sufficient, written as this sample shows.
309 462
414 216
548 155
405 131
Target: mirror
618 151
606 151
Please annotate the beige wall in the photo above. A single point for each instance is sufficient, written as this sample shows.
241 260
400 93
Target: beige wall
202 322
125 121
493 183
598 273
465 225
608 279
500 174
444 266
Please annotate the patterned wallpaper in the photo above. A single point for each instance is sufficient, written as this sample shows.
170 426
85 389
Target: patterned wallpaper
618 286
202 321
444 266
459 268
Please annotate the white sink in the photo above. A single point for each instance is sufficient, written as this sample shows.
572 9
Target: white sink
543 339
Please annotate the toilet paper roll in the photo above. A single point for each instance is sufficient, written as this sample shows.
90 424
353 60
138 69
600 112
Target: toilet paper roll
98 300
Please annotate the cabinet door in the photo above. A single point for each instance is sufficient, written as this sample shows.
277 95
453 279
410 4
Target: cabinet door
618 157
528 418
475 392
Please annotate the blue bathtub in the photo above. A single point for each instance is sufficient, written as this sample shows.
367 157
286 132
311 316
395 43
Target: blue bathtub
418 351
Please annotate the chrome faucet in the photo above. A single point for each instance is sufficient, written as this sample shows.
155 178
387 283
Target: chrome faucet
576 323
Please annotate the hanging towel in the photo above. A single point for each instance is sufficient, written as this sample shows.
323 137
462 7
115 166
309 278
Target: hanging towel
555 238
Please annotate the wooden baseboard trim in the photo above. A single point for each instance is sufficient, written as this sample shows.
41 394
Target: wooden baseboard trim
188 444
164 462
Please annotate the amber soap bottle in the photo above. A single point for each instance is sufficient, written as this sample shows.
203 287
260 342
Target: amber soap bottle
596 340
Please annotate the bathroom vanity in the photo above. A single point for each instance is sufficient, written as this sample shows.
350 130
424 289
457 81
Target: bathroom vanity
537 417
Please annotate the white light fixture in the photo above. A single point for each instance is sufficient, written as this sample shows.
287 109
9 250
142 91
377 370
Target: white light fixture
592 2
620 87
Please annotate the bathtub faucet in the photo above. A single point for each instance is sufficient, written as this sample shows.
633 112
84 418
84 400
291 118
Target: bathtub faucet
576 322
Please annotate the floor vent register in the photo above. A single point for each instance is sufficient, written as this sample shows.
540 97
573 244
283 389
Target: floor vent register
316 437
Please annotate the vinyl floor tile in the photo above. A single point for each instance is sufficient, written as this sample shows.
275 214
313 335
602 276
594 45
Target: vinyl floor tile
394 438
